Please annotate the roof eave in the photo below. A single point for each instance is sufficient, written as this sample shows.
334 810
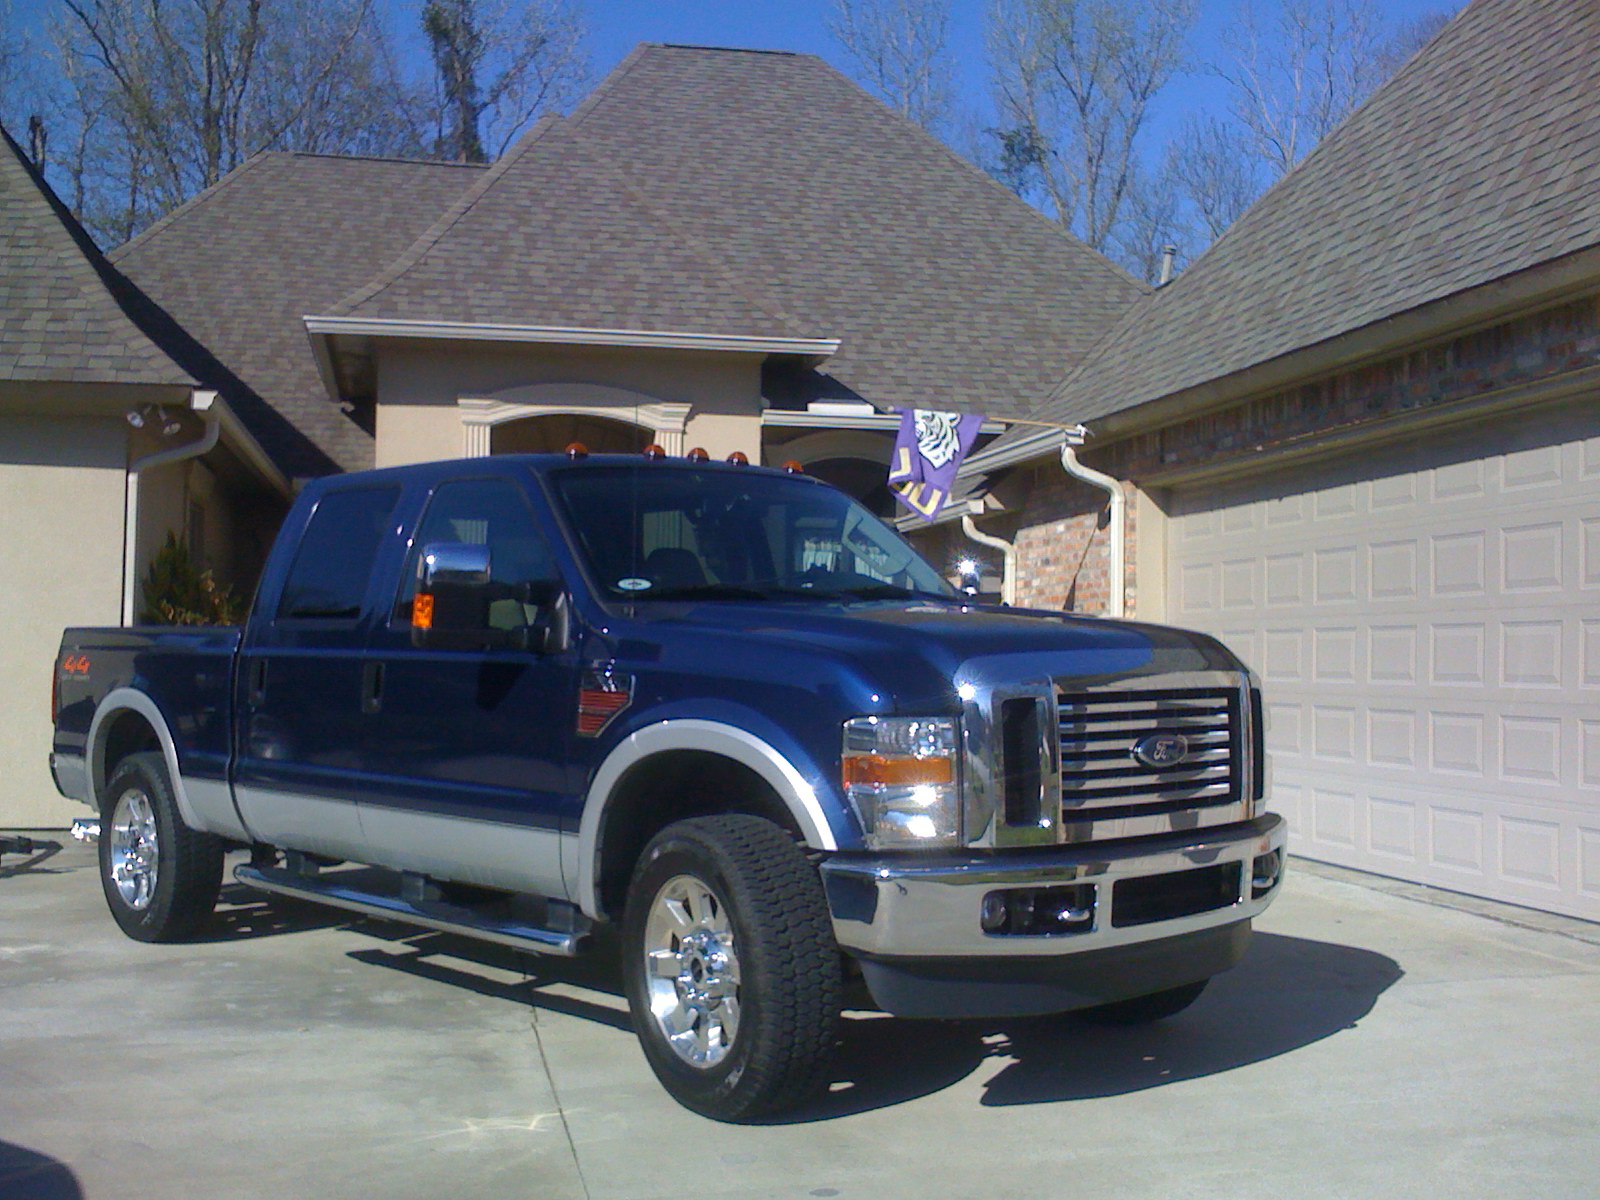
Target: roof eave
816 349
1543 285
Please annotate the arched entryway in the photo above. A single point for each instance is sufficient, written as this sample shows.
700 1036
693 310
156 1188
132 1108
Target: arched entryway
547 417
854 461
553 434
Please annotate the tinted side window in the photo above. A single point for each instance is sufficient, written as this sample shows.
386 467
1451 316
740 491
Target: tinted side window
334 561
493 513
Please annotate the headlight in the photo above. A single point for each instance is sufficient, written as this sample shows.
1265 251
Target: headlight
901 774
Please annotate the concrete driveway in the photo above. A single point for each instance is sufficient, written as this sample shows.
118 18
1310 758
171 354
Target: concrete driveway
1379 1041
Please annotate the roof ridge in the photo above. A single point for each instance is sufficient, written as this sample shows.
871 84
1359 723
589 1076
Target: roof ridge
193 202
94 276
386 158
1184 281
1465 205
609 83
1054 226
726 49
430 237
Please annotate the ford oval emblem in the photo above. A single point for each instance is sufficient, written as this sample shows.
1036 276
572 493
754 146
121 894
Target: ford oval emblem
1161 749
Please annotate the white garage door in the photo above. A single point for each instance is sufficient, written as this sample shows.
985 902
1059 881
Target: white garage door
1426 619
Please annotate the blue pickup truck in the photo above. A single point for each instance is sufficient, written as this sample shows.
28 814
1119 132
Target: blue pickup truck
721 708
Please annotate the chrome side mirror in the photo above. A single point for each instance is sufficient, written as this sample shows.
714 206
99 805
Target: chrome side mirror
454 564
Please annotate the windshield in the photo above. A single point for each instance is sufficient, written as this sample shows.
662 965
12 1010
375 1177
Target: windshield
647 533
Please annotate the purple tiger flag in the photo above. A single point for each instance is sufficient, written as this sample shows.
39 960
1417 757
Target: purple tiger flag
927 455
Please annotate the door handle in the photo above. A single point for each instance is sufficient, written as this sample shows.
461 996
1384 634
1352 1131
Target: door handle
258 680
372 687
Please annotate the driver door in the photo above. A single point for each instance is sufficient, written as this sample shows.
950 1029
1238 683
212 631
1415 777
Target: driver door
468 749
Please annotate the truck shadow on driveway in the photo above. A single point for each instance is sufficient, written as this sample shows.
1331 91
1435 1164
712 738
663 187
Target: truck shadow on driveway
245 913
1289 992
28 1175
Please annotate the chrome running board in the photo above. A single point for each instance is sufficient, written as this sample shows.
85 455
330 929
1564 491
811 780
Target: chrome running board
439 917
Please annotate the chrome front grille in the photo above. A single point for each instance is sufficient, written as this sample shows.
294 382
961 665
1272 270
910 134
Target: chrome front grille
1102 776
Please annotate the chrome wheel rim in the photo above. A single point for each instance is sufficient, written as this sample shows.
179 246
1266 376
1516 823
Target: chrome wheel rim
692 971
134 850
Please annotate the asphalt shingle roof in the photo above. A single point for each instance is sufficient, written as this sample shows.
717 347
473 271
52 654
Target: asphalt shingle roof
283 236
64 313
1480 158
715 191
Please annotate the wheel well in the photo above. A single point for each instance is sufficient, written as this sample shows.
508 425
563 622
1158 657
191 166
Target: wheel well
126 732
669 787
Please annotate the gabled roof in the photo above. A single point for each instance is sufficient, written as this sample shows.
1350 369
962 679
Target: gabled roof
706 191
285 234
1479 159
65 315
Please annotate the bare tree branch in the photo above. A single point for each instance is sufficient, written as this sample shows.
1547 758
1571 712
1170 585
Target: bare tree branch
900 52
1295 77
1074 82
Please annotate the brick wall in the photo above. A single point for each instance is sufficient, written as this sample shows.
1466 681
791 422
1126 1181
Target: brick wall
1064 546
1529 349
1059 525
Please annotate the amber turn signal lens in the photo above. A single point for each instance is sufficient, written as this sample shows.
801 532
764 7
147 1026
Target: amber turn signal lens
422 611
897 770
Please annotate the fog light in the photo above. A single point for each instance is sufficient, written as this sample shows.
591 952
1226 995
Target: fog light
1039 912
1264 873
994 915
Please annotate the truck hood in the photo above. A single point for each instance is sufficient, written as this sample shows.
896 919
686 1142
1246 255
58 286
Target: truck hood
917 650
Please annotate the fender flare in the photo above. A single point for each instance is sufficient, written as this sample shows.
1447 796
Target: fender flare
127 699
713 737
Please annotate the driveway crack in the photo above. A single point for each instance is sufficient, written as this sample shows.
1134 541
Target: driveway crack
561 1109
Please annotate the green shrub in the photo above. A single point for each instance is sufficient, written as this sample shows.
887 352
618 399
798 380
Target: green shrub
176 593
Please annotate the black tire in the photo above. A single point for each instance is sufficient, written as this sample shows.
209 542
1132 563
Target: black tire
787 967
186 866
1141 1010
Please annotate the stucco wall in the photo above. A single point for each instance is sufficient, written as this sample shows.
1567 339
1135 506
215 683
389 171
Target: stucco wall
418 418
61 496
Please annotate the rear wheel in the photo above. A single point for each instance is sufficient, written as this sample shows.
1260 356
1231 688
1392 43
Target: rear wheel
160 878
732 973
1140 1010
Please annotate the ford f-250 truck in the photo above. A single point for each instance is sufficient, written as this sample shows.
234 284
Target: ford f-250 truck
722 706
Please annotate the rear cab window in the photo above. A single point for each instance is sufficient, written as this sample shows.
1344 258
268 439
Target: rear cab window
332 566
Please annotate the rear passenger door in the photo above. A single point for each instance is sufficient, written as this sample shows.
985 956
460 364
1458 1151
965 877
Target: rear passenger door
467 750
298 770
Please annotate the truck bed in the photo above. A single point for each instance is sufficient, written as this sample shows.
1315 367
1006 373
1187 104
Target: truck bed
186 671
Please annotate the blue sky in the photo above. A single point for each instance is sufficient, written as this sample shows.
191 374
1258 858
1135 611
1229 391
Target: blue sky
616 26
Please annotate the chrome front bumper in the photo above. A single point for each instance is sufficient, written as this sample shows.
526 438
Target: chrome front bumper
931 908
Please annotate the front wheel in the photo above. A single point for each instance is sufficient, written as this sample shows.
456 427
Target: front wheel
1141 1010
161 878
732 973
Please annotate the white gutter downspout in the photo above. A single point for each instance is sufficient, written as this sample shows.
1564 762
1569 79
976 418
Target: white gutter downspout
204 403
1115 570
1008 553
